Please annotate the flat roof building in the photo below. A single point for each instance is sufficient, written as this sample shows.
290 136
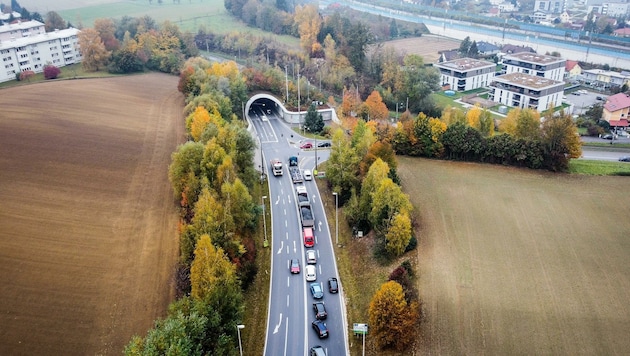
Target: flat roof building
526 91
539 65
466 73
59 48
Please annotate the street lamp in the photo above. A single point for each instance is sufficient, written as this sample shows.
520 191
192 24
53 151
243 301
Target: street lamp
336 217
238 330
265 243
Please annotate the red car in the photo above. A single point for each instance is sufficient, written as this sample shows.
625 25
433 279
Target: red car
306 145
295 266
309 240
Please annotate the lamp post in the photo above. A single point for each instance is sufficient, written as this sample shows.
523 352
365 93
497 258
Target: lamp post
238 330
265 243
336 217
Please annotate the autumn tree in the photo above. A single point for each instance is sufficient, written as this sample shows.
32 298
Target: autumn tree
350 102
417 83
93 51
342 166
309 23
54 21
387 201
376 109
561 140
210 270
392 319
107 32
184 173
399 234
378 172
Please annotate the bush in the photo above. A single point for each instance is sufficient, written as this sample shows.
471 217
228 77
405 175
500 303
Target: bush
51 71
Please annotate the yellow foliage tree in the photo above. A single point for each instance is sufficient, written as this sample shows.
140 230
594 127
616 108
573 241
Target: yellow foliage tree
508 124
210 270
309 23
399 234
392 320
472 117
93 51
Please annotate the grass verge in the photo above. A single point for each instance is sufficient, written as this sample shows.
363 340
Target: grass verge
73 71
257 296
599 168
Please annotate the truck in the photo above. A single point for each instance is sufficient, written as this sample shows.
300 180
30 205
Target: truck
306 214
294 170
302 195
276 167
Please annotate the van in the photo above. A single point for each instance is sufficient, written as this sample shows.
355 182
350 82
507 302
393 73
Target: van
309 238
308 175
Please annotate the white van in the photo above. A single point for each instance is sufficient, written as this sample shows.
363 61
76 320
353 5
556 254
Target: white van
307 174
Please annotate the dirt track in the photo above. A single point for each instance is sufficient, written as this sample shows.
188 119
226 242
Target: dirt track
88 237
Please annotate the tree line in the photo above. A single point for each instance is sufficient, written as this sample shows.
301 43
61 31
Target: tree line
211 176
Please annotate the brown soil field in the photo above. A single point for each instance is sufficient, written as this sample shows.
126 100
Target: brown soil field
426 46
88 223
520 262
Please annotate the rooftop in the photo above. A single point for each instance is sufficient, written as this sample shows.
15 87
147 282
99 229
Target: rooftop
25 41
20 25
617 102
465 64
529 81
534 58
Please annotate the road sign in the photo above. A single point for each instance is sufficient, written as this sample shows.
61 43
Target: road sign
360 329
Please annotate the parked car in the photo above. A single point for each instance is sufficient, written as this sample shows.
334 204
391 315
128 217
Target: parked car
295 266
317 351
622 133
324 144
320 310
311 259
607 137
306 145
320 328
333 286
311 273
307 174
316 290
624 159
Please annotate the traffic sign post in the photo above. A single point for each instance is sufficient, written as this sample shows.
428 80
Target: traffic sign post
360 329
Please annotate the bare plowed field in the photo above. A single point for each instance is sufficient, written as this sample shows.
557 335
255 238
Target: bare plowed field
520 262
426 46
88 238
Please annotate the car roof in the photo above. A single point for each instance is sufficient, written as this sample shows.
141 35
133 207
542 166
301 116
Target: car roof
310 269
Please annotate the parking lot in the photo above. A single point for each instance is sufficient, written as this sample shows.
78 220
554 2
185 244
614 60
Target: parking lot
581 103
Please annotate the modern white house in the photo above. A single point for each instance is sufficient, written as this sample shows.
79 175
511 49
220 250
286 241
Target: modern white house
466 73
33 52
605 79
539 65
526 91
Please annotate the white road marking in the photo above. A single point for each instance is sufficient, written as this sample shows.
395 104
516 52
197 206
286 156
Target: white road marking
319 226
280 249
294 247
275 330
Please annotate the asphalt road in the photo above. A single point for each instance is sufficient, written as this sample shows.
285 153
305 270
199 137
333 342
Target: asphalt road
289 330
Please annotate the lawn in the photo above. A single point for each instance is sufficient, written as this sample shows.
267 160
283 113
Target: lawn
188 16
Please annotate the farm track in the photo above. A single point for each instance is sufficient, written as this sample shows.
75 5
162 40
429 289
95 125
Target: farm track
88 225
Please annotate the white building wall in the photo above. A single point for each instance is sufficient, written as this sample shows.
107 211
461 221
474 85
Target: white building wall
21 29
59 48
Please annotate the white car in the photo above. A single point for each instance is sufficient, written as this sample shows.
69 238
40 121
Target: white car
311 258
311 273
308 175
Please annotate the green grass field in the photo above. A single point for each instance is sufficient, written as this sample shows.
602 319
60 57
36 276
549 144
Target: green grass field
189 16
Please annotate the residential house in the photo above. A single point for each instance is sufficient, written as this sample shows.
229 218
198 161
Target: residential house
59 48
540 65
617 109
7 17
572 70
466 73
605 78
511 49
526 91
550 6
448 55
622 32
487 49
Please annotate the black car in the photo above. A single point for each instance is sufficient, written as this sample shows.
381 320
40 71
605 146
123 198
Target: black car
320 310
323 144
607 137
320 328
333 287
624 159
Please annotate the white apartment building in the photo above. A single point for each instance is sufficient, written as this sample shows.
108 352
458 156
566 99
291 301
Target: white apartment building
59 48
466 73
21 29
539 65
526 91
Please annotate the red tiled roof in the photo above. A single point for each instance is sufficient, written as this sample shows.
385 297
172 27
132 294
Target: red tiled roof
617 102
570 64
619 123
623 31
